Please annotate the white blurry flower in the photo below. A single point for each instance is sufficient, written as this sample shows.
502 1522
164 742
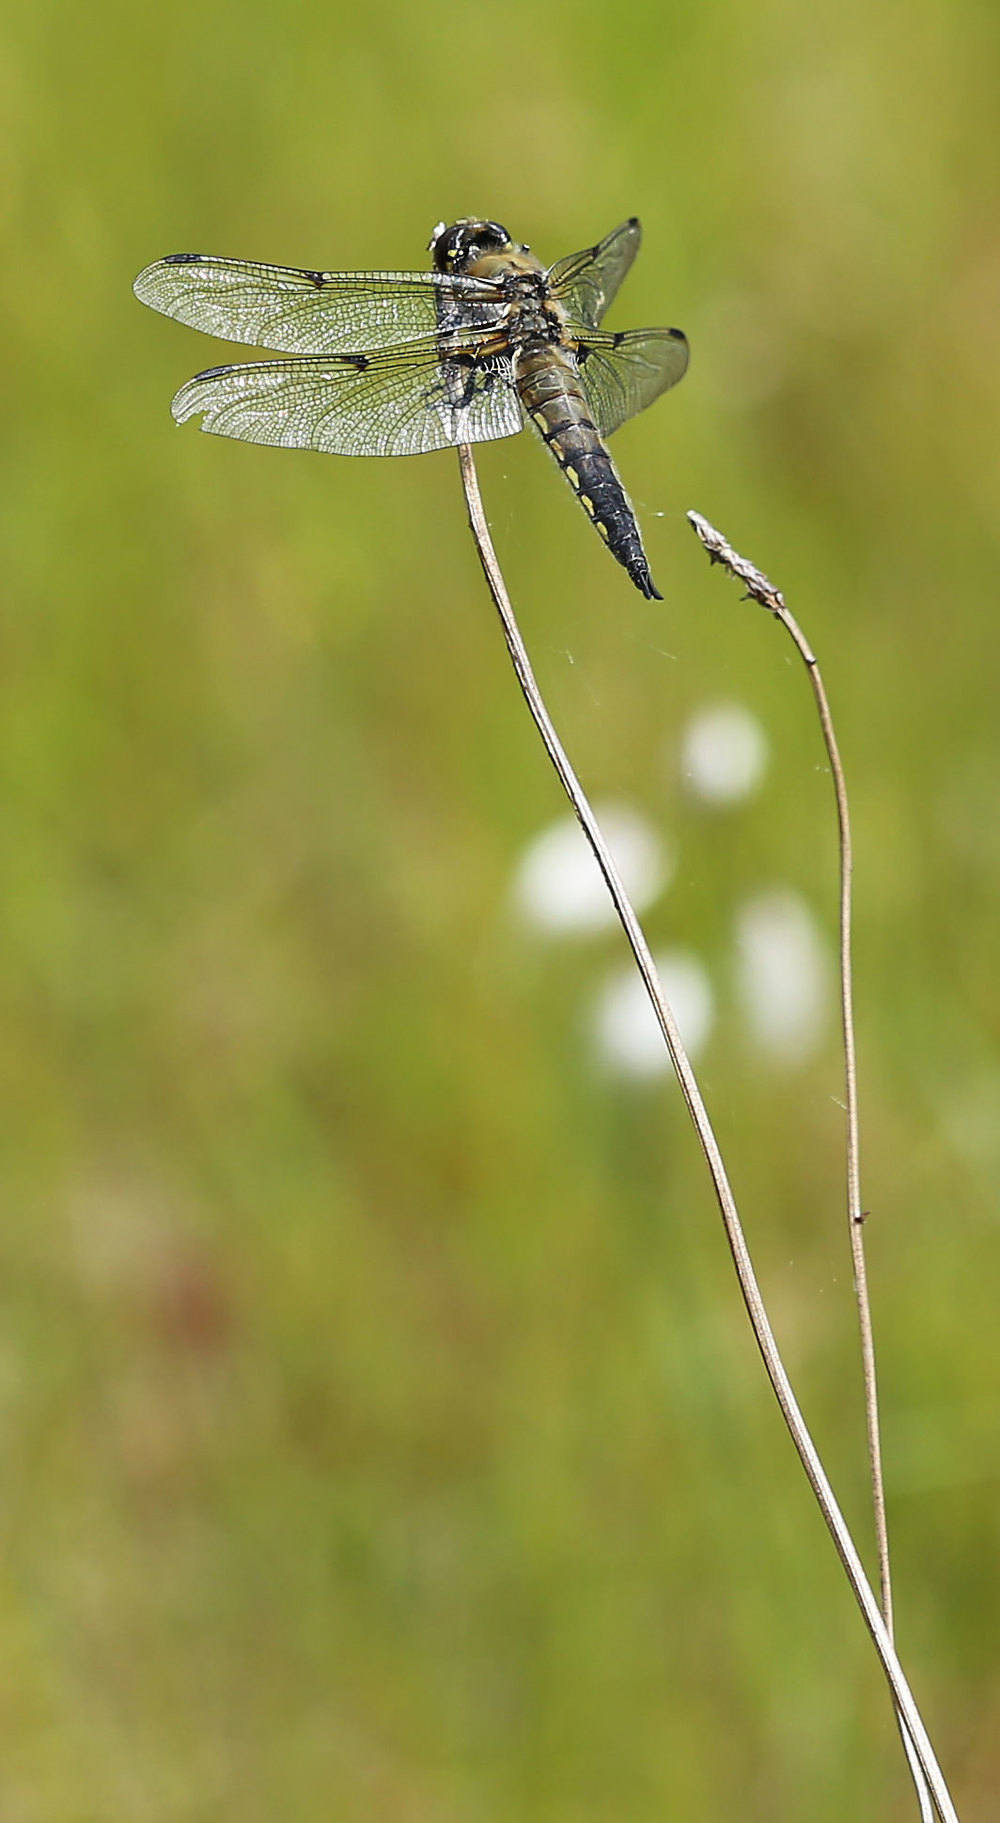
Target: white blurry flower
558 886
723 753
784 974
625 1029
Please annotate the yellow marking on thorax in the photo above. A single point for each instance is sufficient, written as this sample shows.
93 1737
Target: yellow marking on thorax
500 265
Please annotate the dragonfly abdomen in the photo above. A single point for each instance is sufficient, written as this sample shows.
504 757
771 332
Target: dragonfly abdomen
558 409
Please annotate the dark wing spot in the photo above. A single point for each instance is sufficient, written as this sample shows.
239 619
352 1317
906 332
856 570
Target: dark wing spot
315 278
212 373
619 337
358 361
183 259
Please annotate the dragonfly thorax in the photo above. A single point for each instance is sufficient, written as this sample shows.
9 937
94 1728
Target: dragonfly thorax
532 317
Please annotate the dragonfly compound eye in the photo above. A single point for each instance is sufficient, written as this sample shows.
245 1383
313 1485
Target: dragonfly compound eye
465 241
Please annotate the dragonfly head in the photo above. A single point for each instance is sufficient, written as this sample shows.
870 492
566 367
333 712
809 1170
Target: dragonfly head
458 247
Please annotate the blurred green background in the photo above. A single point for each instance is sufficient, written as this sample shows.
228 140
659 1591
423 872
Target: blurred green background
381 1434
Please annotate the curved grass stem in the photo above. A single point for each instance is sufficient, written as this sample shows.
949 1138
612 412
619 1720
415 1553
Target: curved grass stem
761 590
764 1335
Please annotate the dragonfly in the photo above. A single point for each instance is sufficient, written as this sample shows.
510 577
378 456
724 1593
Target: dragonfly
400 363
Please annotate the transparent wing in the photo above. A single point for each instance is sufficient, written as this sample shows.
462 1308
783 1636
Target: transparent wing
309 312
624 373
586 282
402 402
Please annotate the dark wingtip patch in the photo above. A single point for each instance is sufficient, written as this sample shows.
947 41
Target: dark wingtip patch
183 259
678 335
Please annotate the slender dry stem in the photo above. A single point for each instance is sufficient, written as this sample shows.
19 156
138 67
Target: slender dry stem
764 1335
761 590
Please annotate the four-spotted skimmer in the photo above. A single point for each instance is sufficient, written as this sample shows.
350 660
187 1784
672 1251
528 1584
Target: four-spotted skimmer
397 363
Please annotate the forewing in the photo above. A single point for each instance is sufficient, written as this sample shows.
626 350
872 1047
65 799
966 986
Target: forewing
624 373
402 402
308 312
586 282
